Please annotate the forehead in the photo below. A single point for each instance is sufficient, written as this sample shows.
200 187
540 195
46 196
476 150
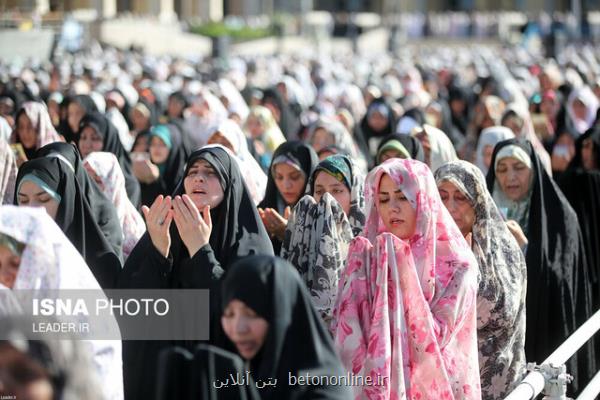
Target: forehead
285 169
386 183
448 186
201 164
509 162
323 178
28 186
89 129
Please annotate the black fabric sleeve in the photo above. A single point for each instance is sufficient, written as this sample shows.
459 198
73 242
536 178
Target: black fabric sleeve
202 271
146 268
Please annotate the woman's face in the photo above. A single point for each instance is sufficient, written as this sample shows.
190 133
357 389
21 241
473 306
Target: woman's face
31 195
458 205
377 121
174 107
203 185
321 139
141 145
254 127
391 153
579 109
396 212
159 152
514 124
549 107
139 120
26 131
9 266
219 138
290 183
245 328
325 183
488 151
588 157
74 115
89 141
514 178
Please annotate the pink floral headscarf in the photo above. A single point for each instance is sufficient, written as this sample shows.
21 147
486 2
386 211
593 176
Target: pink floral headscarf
405 313
108 169
40 120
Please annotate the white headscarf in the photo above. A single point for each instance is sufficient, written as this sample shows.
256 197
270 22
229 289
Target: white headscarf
490 137
587 97
442 149
237 104
254 176
50 262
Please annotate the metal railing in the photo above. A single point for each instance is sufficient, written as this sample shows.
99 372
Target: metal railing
551 377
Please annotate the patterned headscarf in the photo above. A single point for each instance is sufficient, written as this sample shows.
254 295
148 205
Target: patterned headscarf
316 243
406 310
108 169
344 170
50 262
8 173
40 120
502 284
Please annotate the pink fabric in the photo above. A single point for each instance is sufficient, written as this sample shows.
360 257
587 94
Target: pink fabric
406 310
108 169
40 120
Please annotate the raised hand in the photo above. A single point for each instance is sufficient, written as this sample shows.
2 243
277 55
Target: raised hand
93 174
158 220
274 222
517 232
145 171
194 227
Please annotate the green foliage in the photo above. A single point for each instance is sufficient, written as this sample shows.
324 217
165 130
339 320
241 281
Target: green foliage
217 29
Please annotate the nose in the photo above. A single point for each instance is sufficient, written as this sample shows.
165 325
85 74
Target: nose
241 325
287 183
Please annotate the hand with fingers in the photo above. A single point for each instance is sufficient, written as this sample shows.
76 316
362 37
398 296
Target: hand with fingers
93 174
194 227
158 220
274 222
514 228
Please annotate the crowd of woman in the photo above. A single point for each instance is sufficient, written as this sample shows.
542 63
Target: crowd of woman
428 224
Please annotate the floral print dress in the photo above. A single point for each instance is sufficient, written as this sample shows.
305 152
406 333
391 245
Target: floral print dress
405 315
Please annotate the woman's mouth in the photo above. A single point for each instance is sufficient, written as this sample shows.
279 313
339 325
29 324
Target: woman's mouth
396 221
246 347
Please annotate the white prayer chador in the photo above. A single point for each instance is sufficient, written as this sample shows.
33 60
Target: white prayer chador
49 262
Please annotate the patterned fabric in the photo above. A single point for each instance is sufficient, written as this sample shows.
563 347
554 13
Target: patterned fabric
406 310
108 169
8 173
338 167
316 243
502 284
50 262
40 120
344 170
